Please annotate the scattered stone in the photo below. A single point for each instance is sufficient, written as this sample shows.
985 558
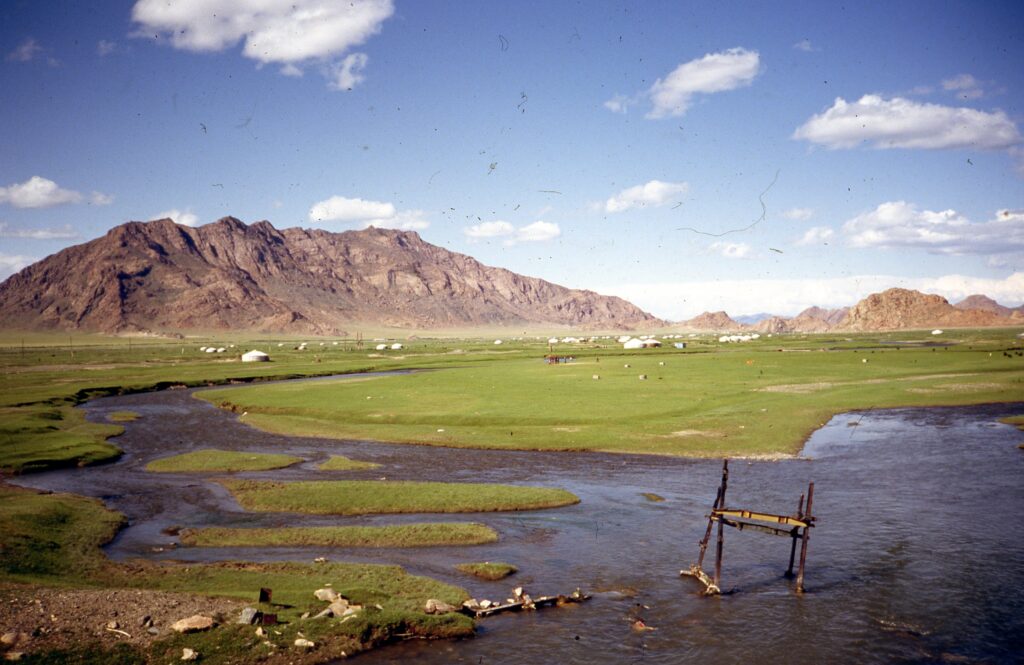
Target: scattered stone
643 377
303 643
147 621
9 639
260 632
435 606
14 655
153 631
192 624
113 625
485 603
189 654
249 616
320 559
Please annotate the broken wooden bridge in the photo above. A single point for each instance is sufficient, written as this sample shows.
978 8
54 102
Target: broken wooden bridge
797 527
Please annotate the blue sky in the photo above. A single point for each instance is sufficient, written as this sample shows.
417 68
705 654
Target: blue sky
622 147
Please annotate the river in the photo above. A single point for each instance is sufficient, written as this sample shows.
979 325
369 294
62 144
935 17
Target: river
917 556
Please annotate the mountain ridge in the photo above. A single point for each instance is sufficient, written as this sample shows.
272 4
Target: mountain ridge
162 276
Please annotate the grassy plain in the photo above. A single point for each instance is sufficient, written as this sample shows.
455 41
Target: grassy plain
762 398
210 461
427 534
363 497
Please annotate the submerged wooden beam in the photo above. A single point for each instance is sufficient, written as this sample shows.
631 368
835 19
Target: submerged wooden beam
695 571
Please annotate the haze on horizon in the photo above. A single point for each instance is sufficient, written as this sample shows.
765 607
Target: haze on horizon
685 157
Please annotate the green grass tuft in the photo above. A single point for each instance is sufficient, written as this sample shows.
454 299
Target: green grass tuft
404 535
122 416
362 497
488 570
206 461
342 463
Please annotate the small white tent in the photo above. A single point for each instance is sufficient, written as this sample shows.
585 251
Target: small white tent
255 356
396 347
634 344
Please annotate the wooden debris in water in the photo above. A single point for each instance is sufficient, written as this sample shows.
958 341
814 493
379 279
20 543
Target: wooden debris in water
520 601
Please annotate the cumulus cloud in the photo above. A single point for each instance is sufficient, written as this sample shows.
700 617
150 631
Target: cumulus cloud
291 33
715 72
653 193
104 47
816 235
342 209
406 220
799 214
63 233
12 263
348 73
964 86
538 231
100 199
37 192
898 224
186 218
787 297
903 123
731 250
26 51
365 213
804 45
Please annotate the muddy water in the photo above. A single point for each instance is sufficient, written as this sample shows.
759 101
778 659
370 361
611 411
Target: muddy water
918 556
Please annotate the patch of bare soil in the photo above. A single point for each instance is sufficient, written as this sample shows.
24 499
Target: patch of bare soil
44 619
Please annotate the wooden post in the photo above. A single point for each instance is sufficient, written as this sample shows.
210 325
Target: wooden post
721 526
807 536
792 549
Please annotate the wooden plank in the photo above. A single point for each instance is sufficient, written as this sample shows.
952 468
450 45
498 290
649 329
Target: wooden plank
788 520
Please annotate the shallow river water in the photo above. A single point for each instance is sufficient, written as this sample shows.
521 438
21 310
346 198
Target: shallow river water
918 554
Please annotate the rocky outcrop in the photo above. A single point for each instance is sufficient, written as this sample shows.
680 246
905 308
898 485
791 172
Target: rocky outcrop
161 276
898 309
713 321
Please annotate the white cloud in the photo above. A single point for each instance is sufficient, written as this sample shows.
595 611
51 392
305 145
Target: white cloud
341 209
406 220
898 224
186 218
37 192
715 72
804 45
653 193
484 230
787 297
731 250
964 86
799 214
104 47
291 70
538 231
26 51
12 263
37 234
101 199
902 123
285 32
619 103
348 73
816 235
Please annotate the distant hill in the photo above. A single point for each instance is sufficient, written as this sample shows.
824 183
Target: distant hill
160 276
893 309
752 319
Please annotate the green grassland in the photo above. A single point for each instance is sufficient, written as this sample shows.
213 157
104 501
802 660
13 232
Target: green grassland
208 461
122 416
342 463
54 540
428 534
362 497
761 399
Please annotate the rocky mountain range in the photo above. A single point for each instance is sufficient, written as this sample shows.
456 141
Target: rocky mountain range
893 309
160 276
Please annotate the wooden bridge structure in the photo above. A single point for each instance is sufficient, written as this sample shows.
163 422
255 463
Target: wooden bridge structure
797 527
